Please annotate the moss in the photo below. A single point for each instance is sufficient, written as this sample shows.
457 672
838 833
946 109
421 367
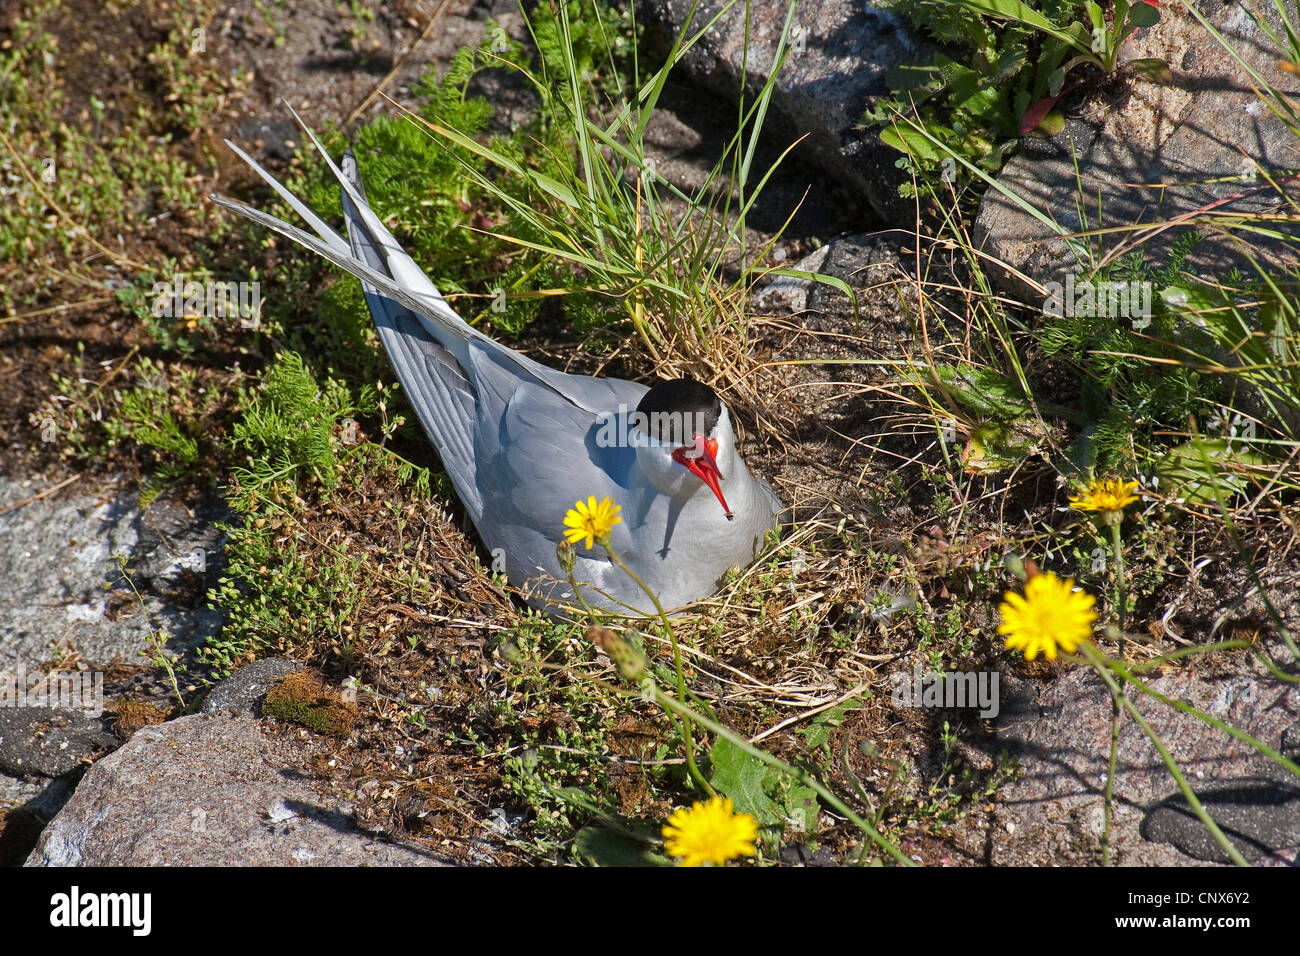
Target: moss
305 699
130 714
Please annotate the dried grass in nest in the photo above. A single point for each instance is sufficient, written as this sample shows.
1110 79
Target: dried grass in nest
727 360
753 667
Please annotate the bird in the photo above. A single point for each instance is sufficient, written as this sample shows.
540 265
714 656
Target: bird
523 443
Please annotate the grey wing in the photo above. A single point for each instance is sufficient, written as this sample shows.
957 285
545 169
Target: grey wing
542 453
436 386
438 390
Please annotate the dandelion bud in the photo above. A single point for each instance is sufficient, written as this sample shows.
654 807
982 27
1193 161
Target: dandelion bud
567 555
629 661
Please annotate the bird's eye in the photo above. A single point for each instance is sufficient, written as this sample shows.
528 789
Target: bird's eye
697 450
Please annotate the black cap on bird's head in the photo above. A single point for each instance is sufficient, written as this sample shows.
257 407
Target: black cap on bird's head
684 412
678 409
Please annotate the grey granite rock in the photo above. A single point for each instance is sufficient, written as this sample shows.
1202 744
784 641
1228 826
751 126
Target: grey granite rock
861 260
1291 743
242 691
786 294
1261 817
49 742
59 555
40 795
839 56
16 791
211 790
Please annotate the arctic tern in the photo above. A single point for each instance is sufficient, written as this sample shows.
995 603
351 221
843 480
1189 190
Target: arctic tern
522 442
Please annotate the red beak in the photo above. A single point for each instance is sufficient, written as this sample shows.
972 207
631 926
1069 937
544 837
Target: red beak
701 461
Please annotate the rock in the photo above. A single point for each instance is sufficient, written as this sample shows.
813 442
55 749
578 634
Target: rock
16 791
38 795
838 61
1200 135
58 557
1260 817
242 692
1291 743
26 806
211 790
49 742
861 260
1052 812
786 294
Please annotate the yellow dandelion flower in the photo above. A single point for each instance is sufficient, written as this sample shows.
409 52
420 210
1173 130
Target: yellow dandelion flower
1050 614
1111 495
591 520
710 833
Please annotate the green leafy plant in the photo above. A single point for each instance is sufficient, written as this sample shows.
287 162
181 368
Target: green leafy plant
780 803
441 197
970 98
1092 39
297 444
776 793
288 428
1004 68
558 721
161 413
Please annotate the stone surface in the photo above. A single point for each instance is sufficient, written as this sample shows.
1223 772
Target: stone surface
55 611
242 692
1260 816
49 742
786 295
839 56
16 791
1197 136
26 806
211 790
862 260
58 557
38 794
1059 734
